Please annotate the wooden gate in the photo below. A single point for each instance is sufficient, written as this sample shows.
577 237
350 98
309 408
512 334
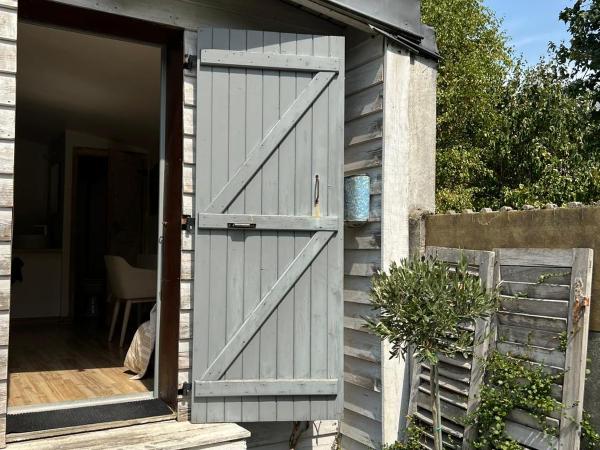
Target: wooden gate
268 318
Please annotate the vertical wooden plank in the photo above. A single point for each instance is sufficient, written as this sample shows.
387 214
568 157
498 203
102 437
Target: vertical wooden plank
269 251
319 272
236 254
253 194
577 335
200 296
482 338
335 207
286 250
219 239
303 205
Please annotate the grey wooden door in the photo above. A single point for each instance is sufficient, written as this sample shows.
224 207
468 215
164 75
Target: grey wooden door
267 321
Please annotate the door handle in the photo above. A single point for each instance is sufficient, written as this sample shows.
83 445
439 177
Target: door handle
241 225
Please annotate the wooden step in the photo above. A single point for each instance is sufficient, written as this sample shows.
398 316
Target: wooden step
168 435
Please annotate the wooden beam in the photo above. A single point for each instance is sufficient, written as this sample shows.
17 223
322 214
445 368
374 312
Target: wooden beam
259 154
266 306
267 222
245 388
271 61
576 354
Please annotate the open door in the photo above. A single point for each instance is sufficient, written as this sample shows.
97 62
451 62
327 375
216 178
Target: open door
267 341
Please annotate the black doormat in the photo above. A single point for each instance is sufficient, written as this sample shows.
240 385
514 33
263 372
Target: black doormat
87 415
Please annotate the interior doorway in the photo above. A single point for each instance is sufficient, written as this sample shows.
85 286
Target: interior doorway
86 217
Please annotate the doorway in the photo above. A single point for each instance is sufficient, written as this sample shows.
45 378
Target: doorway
88 157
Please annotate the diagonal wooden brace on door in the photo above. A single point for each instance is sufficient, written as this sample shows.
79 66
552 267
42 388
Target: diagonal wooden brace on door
261 153
266 306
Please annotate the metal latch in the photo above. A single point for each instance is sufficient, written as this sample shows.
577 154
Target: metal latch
241 225
186 389
188 223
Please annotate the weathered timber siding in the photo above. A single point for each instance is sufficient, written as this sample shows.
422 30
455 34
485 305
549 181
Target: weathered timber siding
361 427
8 68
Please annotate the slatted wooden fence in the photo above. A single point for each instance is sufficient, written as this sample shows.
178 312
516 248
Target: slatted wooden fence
543 319
460 377
545 298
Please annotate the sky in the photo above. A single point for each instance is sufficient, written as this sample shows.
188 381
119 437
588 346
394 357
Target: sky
531 24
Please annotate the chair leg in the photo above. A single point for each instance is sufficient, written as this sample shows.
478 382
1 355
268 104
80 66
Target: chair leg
125 320
113 323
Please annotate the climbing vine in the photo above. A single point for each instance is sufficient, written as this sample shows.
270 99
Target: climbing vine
511 384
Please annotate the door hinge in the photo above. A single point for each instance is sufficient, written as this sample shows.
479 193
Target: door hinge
186 389
189 62
188 223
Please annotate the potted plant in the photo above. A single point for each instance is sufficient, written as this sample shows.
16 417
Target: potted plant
425 306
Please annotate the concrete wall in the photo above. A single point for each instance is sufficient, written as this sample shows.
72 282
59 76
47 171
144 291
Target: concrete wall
548 228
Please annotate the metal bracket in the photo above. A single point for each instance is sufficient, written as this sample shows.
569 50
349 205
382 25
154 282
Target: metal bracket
188 223
186 389
189 62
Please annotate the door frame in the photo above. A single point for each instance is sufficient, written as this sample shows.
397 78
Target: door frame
170 39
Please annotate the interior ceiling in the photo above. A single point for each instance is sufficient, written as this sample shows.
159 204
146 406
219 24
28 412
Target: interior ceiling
70 80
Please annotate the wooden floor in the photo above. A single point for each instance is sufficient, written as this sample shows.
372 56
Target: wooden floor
57 363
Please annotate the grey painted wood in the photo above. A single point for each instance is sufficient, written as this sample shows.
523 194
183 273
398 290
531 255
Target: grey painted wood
335 253
200 357
286 240
219 241
303 206
268 222
253 205
319 272
236 245
269 248
363 354
264 283
259 156
254 60
255 388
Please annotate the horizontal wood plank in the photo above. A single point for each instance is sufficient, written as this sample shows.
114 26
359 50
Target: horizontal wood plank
552 324
535 290
535 257
535 306
364 103
554 358
271 61
539 274
364 76
530 437
251 388
529 336
250 222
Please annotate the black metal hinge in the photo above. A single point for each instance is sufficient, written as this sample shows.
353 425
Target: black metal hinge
188 223
189 62
186 389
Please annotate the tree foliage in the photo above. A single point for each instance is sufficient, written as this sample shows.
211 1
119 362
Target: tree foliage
509 134
475 63
580 58
423 305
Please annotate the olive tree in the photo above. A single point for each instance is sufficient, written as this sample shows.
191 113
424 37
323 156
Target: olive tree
425 307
